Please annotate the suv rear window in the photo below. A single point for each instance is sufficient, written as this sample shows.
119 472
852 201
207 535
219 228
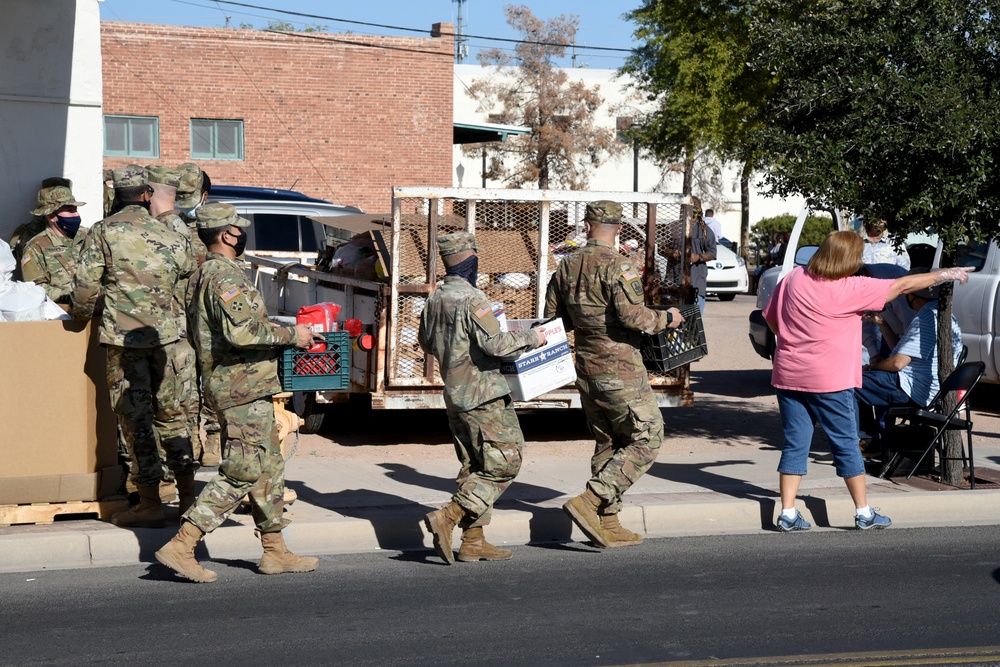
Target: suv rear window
280 232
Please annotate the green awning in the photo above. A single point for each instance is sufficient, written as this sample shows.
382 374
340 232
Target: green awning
475 133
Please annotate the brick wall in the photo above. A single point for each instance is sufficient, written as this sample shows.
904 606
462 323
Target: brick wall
340 117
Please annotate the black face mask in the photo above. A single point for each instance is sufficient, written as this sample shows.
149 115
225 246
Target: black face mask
241 242
467 268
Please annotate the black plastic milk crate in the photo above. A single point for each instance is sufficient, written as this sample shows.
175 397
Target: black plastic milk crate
301 370
672 348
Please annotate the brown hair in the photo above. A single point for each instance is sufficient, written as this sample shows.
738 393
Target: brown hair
838 256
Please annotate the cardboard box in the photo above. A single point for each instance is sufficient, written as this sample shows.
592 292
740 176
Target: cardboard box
540 371
59 440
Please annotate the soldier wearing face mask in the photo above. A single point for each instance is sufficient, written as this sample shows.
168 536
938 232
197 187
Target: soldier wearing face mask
50 258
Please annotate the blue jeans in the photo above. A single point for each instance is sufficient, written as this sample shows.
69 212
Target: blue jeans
835 412
701 303
879 389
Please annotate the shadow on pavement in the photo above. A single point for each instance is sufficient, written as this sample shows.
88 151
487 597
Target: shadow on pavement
750 383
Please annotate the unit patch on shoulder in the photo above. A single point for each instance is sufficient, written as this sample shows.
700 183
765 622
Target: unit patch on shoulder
482 315
631 282
235 305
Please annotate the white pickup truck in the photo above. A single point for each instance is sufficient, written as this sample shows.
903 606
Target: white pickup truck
976 304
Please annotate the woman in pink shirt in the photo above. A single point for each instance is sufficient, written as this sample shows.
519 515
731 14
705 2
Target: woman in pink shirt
815 314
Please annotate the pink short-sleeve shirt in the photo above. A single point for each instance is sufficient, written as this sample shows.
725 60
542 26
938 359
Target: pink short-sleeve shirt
819 329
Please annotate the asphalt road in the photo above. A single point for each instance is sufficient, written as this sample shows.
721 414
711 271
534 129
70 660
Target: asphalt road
695 600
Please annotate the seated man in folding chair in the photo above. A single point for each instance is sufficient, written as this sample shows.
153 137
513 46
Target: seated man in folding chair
908 376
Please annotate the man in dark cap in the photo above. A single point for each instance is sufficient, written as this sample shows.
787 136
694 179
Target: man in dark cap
598 293
458 327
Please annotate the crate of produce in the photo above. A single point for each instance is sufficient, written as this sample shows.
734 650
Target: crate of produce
329 370
672 348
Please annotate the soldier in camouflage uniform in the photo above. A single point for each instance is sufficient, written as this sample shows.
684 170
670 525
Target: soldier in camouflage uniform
164 181
29 230
135 263
458 327
237 349
192 191
599 295
50 258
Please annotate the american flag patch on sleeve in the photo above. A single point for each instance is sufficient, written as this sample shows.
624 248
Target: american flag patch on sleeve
483 309
628 273
230 294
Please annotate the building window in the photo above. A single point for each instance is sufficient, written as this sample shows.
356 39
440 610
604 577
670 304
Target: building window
216 139
131 136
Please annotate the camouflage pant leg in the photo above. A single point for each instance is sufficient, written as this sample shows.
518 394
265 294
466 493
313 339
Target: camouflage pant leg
130 388
628 427
488 443
169 416
251 464
190 394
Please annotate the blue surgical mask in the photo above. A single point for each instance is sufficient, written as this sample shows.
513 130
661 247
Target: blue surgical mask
189 213
70 224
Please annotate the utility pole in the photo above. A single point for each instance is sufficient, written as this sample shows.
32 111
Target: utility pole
461 44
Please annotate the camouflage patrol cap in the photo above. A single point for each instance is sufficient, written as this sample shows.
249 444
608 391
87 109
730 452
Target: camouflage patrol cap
54 198
213 216
604 211
109 175
189 190
449 244
131 176
164 175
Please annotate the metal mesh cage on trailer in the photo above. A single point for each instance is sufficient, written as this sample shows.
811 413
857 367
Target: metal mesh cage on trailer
522 234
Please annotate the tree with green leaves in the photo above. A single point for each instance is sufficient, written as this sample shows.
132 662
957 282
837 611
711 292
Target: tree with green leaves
888 108
692 63
528 89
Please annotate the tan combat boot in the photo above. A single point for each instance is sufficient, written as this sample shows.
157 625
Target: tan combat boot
185 492
211 453
620 536
583 511
178 555
476 548
441 524
278 559
147 514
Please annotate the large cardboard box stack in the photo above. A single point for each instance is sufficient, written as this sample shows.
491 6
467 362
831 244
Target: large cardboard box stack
539 371
58 442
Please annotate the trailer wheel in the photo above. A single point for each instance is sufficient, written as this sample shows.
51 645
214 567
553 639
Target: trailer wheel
311 413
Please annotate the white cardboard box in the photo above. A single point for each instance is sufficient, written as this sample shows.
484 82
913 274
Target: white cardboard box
549 367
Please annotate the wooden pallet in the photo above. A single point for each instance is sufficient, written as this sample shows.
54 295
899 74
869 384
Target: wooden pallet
44 513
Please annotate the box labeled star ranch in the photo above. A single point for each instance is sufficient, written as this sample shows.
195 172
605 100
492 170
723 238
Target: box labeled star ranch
539 371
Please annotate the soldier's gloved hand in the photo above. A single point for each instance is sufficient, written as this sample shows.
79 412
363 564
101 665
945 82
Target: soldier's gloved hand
305 336
540 335
676 318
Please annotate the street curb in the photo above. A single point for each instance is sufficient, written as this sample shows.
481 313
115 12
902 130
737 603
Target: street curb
85 544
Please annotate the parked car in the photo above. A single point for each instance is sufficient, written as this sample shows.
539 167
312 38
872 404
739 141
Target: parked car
727 274
283 224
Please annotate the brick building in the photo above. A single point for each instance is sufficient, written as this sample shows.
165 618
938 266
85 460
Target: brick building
340 117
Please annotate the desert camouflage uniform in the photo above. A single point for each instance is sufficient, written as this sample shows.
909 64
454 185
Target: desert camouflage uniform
237 350
598 293
135 263
458 327
50 260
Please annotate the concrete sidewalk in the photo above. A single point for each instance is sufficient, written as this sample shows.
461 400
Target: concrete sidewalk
351 506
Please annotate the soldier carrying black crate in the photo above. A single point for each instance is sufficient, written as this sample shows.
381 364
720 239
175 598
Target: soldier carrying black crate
599 295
